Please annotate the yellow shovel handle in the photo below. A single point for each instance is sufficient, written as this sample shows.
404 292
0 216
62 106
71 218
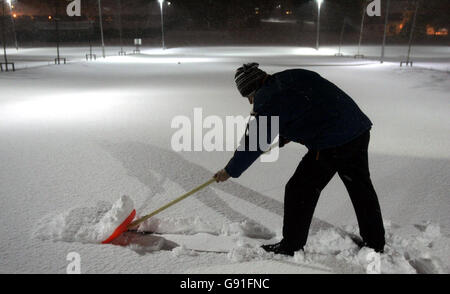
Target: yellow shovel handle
144 218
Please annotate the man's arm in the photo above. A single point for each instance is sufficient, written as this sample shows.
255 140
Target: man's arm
244 157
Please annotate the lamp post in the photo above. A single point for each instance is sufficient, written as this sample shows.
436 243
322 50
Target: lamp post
55 19
121 52
359 55
101 26
341 38
161 4
411 35
386 22
319 3
4 37
90 55
13 24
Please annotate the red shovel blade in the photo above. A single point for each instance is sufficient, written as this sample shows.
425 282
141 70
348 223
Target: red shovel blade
122 228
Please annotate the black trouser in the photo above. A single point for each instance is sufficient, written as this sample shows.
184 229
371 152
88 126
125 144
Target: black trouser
314 172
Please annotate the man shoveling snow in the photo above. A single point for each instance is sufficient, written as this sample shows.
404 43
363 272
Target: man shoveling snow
314 112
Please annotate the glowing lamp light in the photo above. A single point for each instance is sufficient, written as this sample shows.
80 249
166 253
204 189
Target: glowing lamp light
49 17
161 3
15 15
319 3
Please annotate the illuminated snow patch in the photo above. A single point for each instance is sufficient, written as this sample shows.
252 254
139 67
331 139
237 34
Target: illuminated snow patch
142 59
62 107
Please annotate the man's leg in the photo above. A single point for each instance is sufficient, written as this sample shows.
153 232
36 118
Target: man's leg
301 195
353 169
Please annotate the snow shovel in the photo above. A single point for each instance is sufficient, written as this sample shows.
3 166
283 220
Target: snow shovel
129 224
144 218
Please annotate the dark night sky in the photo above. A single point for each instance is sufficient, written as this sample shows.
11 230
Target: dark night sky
198 7
218 14
209 22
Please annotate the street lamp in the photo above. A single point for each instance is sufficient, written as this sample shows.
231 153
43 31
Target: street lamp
319 3
121 52
161 3
341 38
13 23
359 55
56 19
386 23
4 39
101 26
411 35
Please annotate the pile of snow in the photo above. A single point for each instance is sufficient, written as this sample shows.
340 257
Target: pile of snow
247 229
406 255
403 255
417 248
114 217
330 241
85 224
431 231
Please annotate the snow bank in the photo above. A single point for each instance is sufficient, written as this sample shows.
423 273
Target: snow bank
85 224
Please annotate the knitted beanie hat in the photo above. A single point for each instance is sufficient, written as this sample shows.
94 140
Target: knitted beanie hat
249 78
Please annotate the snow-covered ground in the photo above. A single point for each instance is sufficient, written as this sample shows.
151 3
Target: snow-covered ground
436 57
75 138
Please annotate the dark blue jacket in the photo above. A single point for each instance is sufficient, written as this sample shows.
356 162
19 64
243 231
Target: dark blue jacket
312 111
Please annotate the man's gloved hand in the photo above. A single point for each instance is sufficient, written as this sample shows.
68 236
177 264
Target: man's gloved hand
283 141
221 176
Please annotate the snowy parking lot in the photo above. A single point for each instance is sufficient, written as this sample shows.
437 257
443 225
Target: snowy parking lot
74 138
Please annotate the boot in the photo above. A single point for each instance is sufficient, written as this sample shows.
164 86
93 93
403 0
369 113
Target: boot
280 248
